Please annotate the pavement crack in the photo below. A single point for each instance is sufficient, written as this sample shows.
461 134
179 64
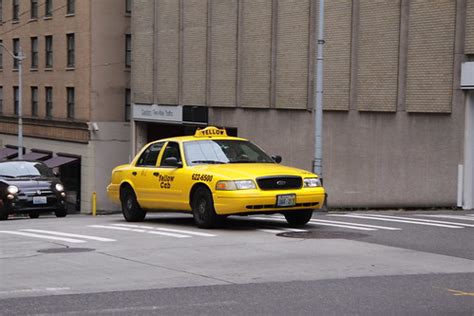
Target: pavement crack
164 267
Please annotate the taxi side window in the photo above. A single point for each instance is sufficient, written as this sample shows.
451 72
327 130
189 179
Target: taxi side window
171 150
150 155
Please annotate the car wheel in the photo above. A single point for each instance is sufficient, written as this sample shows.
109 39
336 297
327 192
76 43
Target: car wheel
298 218
132 212
60 213
3 214
203 209
33 215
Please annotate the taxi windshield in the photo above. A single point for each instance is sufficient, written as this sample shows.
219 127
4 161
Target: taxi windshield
221 151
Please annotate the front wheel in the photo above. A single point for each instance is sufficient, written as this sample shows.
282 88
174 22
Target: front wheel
3 213
203 209
298 218
132 212
60 213
34 214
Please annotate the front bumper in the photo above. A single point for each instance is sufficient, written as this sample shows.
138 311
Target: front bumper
24 204
259 201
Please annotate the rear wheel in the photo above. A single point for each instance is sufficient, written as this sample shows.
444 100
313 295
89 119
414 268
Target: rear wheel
33 215
203 209
60 213
298 218
132 212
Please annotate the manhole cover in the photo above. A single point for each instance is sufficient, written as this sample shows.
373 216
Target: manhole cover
322 235
65 250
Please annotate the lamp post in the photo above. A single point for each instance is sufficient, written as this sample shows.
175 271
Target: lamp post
19 57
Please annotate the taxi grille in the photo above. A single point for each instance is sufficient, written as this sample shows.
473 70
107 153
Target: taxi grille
280 183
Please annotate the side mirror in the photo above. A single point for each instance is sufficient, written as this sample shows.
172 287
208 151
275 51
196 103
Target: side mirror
56 174
276 158
172 162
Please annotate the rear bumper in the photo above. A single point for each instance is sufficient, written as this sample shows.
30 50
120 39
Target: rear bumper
258 201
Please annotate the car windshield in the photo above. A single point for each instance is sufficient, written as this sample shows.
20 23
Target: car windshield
223 151
16 169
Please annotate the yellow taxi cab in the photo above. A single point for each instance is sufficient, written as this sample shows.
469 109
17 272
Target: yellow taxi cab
212 175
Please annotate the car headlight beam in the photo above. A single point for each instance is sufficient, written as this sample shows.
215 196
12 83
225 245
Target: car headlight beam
232 185
59 187
12 189
312 182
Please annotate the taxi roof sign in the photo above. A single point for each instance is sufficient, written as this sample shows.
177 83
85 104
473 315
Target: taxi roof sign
210 131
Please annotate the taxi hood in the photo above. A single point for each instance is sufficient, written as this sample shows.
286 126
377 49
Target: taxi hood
242 171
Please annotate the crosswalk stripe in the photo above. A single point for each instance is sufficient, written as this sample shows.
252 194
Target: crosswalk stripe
167 234
461 217
71 240
354 224
394 220
68 234
350 226
167 230
422 220
118 228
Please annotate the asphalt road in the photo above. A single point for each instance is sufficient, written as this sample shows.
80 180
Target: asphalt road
358 263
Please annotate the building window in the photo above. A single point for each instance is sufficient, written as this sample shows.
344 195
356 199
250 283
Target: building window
128 6
49 101
34 52
128 50
16 100
34 101
1 100
34 9
48 8
16 10
16 51
70 50
49 51
70 102
128 104
71 7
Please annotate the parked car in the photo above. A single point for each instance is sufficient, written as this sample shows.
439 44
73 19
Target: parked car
212 175
30 187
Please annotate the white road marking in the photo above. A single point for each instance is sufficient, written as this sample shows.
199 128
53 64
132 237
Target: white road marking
423 220
354 224
67 234
118 228
71 240
461 217
394 220
167 230
276 217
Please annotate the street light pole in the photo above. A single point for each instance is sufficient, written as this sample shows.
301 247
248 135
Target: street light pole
318 111
19 57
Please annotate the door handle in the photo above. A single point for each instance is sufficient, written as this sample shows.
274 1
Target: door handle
134 173
156 174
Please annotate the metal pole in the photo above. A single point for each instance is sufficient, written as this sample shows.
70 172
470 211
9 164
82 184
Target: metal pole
318 113
19 57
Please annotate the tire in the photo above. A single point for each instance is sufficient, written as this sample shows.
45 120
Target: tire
34 214
60 213
203 209
298 218
3 214
132 212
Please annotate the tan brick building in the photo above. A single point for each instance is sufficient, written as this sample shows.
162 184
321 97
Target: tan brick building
394 121
75 80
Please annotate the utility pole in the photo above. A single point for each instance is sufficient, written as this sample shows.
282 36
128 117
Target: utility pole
19 57
318 112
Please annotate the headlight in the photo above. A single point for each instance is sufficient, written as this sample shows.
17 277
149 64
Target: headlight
235 185
12 189
59 187
312 182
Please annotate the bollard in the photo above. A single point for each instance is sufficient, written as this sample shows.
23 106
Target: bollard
94 204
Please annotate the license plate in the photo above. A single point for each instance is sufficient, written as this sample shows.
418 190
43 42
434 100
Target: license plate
286 200
40 200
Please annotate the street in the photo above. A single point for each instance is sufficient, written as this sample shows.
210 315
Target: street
363 263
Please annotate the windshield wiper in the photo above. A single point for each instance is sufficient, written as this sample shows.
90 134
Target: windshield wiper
242 161
208 161
7 176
